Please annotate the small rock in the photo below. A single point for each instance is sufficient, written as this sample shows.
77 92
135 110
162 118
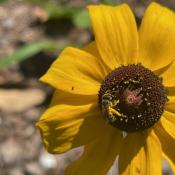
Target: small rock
47 161
166 169
114 168
32 114
16 171
8 23
11 151
29 131
20 100
63 160
33 168
40 14
3 12
31 147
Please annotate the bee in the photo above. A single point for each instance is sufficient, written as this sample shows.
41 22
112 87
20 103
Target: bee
108 105
106 99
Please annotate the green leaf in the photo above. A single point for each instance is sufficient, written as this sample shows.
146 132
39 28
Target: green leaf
78 15
55 10
59 11
112 2
26 52
2 1
81 19
37 2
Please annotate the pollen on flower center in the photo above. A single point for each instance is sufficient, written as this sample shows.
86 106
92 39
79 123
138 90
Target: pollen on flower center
132 98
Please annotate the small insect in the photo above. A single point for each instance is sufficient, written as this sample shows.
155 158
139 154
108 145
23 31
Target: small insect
107 96
73 88
106 99
108 106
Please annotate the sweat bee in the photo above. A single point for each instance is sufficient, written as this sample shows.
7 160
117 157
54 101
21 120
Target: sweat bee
108 105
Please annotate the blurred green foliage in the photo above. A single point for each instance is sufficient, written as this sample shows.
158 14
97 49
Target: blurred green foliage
77 15
1 1
27 51
55 11
111 2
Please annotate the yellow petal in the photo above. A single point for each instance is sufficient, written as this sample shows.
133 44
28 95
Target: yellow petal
132 155
161 70
169 76
165 130
62 97
64 127
153 152
170 91
115 34
157 37
140 155
168 122
170 105
92 49
98 156
75 71
172 164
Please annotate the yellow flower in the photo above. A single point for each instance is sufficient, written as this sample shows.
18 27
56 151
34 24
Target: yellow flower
109 95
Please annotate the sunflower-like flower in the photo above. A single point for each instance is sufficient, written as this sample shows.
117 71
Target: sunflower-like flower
116 96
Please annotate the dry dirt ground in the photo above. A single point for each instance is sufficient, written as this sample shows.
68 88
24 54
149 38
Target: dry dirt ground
23 98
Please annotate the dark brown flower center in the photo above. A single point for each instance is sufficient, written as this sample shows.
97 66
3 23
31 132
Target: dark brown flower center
132 98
